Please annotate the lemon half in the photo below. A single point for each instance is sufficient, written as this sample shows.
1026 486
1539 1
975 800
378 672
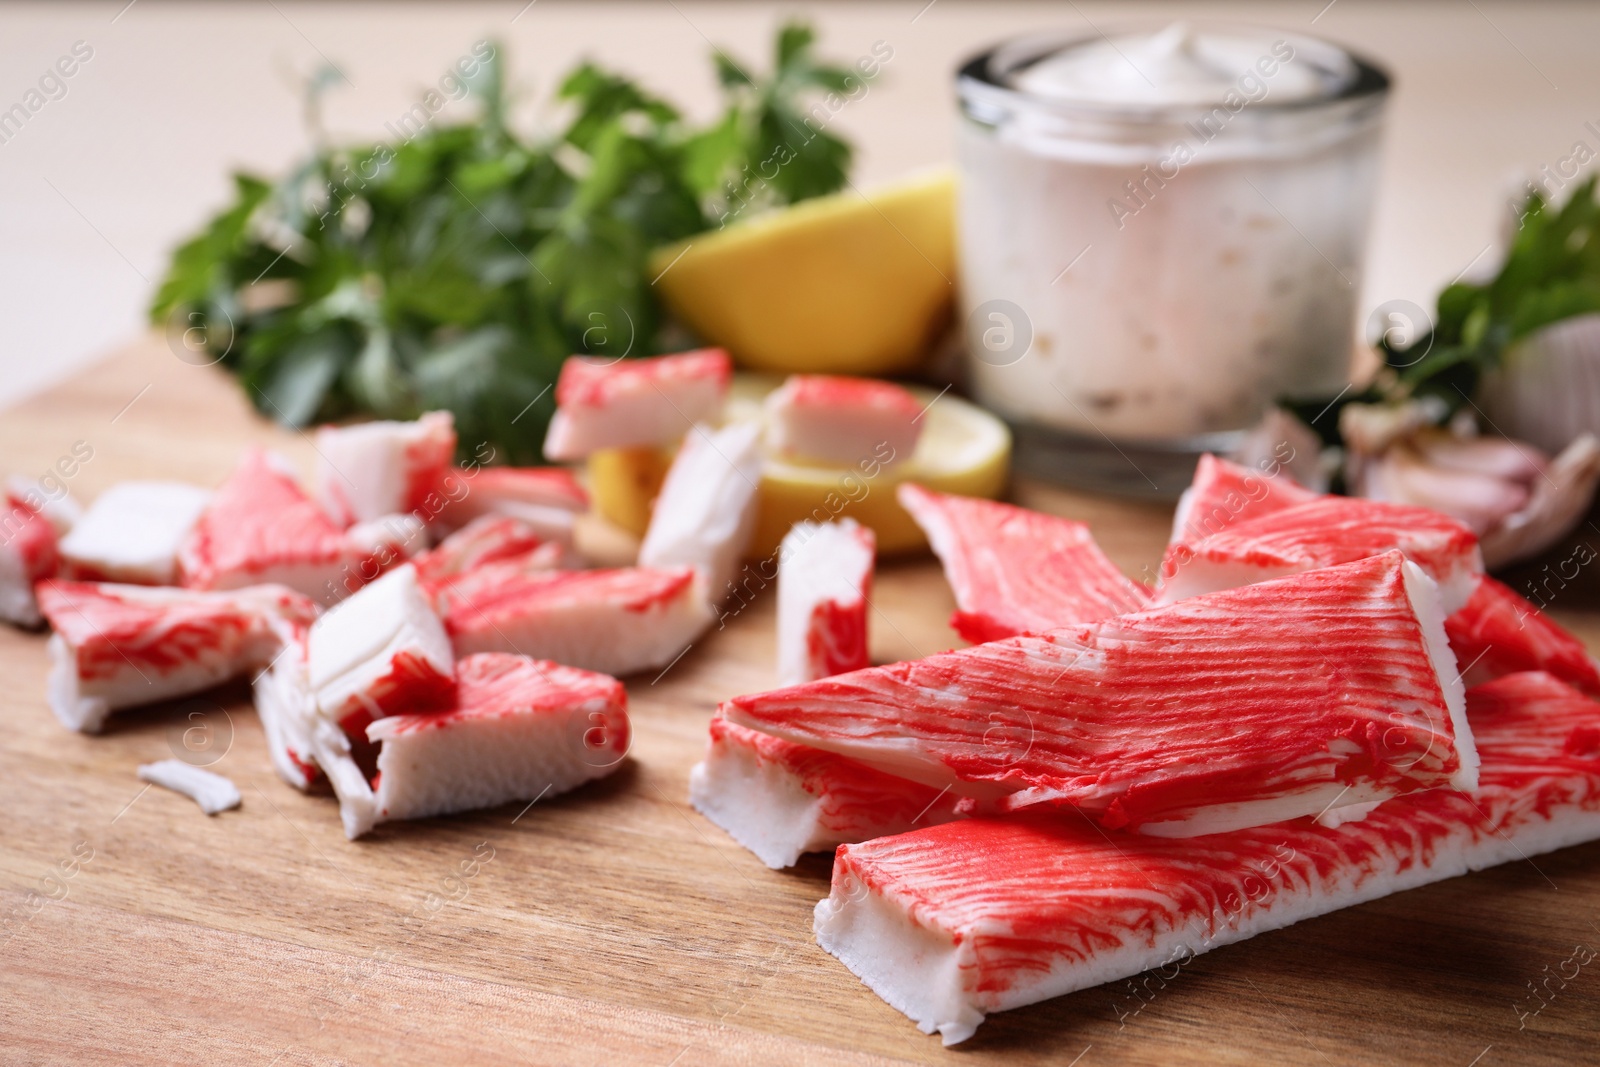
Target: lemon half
845 284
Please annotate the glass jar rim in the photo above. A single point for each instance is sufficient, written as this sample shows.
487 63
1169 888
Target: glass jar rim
984 90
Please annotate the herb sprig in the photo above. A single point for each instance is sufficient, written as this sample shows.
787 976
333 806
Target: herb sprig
459 267
1551 272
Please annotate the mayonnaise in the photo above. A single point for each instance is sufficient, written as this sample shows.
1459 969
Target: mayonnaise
1179 217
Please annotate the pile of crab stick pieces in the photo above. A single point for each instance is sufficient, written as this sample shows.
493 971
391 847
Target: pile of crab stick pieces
423 637
1325 700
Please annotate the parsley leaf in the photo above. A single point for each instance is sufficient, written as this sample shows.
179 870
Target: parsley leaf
457 265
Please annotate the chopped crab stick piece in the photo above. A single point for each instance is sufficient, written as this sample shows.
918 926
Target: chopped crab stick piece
1015 571
614 621
120 646
841 421
548 499
28 555
706 513
1235 709
824 581
519 729
1322 533
950 923
212 792
1224 493
132 533
485 540
1498 633
608 403
260 527
49 498
780 800
287 709
373 469
381 652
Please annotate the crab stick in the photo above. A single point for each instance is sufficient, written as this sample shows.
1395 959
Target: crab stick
614 621
132 533
260 527
1323 532
706 513
120 646
1015 571
950 923
1235 709
547 499
780 799
841 422
373 469
610 403
485 540
824 582
380 652
28 555
1497 632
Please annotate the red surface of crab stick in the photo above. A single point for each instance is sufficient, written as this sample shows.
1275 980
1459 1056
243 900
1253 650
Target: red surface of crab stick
485 540
1498 632
841 421
548 499
1324 532
1495 632
260 527
780 799
1224 493
1015 571
950 923
120 646
28 554
374 469
608 403
824 582
1234 709
616 621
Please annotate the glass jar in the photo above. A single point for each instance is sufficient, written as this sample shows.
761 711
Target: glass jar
1161 235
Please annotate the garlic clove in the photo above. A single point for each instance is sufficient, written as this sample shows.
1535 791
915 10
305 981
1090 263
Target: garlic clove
1402 475
1500 457
1560 497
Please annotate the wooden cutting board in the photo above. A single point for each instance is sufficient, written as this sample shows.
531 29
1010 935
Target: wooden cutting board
615 925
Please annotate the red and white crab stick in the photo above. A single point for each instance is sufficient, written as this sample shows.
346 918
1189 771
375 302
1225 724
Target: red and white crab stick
780 799
824 582
1015 571
374 469
610 403
260 527
842 421
1234 709
618 621
120 646
950 923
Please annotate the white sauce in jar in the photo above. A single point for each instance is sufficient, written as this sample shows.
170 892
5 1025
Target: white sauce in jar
1181 217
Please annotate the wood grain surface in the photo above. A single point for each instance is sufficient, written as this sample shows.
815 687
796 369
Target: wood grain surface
614 925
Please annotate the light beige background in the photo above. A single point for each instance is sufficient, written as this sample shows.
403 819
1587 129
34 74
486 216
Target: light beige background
99 184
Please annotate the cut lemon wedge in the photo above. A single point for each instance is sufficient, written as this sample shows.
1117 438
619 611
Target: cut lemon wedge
851 283
962 449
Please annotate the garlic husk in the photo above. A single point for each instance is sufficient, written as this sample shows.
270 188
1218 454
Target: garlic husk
1547 389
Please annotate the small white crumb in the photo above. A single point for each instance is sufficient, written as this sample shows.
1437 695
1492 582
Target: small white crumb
212 792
